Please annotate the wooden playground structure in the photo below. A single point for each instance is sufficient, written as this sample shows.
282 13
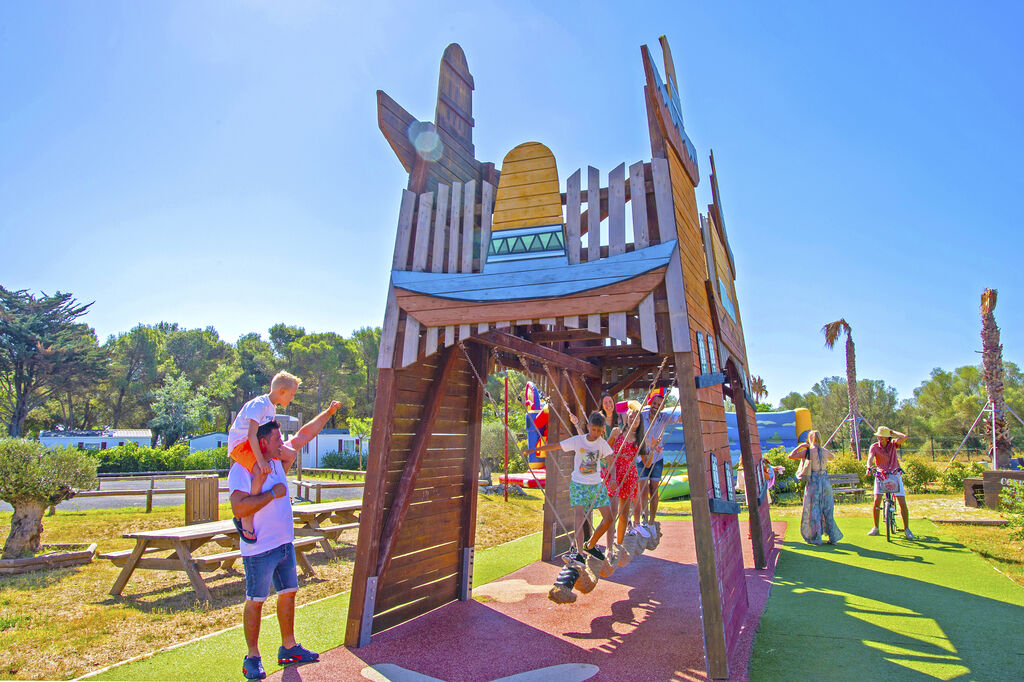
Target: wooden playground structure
504 268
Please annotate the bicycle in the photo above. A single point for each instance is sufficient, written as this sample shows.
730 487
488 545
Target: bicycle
889 488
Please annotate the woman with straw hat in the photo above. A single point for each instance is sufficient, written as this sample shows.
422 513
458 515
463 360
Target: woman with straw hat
884 454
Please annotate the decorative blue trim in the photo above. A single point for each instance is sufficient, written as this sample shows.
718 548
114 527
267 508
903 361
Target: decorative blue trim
535 278
711 379
719 506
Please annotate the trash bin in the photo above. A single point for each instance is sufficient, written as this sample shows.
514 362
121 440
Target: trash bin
201 503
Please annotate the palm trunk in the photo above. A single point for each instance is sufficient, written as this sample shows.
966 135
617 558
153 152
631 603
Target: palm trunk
992 373
851 390
26 530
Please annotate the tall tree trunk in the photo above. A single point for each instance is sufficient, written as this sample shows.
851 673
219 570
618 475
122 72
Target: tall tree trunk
26 530
851 389
118 405
992 373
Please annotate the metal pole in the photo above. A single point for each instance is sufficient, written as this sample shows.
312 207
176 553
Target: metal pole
506 436
836 431
969 431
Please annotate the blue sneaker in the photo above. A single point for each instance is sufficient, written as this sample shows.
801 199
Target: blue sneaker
297 654
252 668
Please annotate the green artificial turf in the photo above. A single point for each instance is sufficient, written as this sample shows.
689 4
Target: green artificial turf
318 626
868 609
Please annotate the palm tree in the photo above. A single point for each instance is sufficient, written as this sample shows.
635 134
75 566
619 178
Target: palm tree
992 373
832 332
758 388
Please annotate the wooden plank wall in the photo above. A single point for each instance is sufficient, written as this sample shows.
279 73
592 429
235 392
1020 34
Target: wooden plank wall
428 552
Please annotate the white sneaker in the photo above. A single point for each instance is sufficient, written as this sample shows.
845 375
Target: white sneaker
642 531
908 535
873 531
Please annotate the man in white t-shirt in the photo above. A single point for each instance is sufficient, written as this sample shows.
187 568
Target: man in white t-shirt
271 558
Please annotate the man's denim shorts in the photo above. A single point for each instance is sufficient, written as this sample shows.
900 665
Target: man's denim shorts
651 473
275 565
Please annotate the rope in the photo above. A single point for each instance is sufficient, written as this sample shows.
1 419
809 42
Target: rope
497 413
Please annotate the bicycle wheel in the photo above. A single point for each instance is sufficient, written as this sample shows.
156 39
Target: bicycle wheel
890 520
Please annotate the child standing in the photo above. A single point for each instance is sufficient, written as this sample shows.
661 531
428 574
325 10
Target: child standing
243 445
622 478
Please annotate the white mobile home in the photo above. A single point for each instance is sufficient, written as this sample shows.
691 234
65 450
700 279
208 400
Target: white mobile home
207 441
95 439
333 440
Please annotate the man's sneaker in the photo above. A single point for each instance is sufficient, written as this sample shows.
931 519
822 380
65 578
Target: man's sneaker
252 668
642 531
297 654
873 531
594 551
908 535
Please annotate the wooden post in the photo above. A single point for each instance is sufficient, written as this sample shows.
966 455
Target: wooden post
470 471
749 469
711 603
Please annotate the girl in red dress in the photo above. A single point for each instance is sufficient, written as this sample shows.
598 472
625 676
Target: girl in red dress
620 476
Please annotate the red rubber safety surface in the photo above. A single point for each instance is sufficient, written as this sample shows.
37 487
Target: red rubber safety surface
642 623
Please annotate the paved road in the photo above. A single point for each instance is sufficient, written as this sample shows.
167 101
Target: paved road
165 500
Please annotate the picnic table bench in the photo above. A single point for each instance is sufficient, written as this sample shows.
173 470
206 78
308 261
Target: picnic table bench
176 547
308 490
309 520
846 484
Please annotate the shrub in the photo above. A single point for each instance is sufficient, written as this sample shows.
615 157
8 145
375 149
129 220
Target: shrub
848 464
214 458
338 460
918 473
33 478
786 482
952 479
1012 504
492 450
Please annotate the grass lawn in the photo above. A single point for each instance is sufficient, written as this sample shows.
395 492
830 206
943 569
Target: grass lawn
871 609
319 626
61 624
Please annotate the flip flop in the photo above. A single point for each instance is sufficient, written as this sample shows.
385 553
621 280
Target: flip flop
242 531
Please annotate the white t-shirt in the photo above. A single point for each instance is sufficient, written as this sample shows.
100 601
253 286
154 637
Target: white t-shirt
586 464
259 409
273 523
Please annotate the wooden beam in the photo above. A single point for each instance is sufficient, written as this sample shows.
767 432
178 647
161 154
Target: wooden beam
564 335
403 493
628 380
607 351
649 360
538 352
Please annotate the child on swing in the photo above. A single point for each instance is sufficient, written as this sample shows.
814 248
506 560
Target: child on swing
586 488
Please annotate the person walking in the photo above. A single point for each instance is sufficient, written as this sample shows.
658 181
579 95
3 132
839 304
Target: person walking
818 517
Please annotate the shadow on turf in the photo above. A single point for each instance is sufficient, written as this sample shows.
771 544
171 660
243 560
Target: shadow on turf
934 631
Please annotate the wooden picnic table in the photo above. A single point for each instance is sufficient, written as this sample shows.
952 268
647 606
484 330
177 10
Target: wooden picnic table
181 543
309 520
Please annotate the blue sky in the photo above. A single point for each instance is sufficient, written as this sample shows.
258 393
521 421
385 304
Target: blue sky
220 164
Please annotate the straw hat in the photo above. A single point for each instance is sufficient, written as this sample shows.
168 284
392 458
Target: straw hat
883 432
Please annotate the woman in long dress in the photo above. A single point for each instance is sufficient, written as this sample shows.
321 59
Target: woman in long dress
819 504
